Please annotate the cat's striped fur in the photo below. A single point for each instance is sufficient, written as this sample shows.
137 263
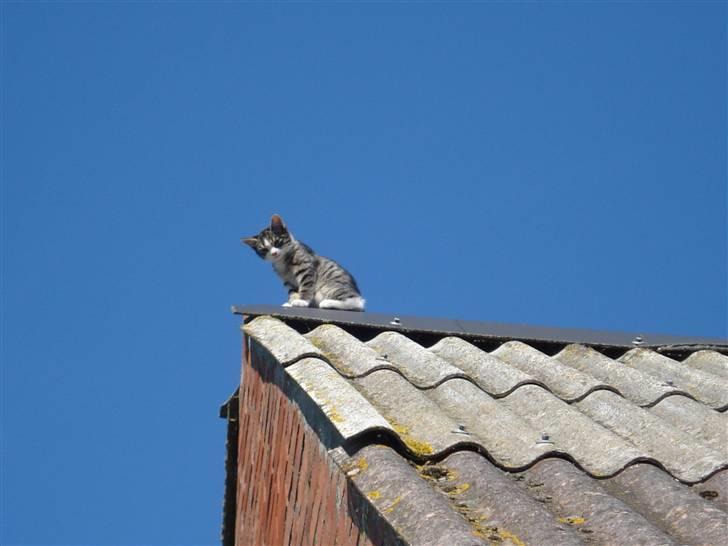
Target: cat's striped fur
311 280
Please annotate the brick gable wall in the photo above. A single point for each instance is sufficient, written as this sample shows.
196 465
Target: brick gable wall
289 489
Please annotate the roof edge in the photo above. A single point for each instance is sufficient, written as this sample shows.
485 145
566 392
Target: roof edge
486 330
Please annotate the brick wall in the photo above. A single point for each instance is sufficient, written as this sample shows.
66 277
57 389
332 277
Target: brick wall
289 490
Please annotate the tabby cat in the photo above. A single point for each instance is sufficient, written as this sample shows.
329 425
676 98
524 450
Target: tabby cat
311 280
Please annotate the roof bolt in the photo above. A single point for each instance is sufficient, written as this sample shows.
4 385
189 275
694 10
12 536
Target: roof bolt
545 439
385 356
638 340
395 321
669 383
461 430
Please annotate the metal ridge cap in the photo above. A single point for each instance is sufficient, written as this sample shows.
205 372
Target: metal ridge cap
485 329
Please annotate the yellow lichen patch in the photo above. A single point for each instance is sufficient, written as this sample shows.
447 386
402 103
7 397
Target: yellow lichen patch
334 415
352 468
420 448
494 534
573 520
326 406
417 446
458 489
374 495
507 535
395 502
400 429
479 521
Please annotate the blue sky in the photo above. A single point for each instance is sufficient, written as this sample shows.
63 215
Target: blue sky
560 164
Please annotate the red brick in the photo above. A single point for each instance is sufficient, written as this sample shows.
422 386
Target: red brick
289 489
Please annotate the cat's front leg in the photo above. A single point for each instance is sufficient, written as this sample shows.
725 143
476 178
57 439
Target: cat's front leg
304 297
292 296
295 300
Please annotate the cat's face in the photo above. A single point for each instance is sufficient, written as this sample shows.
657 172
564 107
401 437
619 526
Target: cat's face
271 243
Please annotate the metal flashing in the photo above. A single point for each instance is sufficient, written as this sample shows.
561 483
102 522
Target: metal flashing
469 330
230 412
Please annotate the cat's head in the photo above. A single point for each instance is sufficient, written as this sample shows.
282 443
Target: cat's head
271 243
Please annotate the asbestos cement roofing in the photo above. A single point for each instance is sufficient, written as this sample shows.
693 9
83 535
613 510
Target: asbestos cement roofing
513 445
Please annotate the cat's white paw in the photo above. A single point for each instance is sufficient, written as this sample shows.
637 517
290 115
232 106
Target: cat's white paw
287 304
350 304
299 303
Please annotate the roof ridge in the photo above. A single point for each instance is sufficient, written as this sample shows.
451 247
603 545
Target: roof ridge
488 330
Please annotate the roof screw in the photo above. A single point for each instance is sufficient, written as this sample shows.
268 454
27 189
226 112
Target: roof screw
545 439
461 430
638 340
395 321
669 383
385 356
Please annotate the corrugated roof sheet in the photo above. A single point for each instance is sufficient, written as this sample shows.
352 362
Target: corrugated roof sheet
518 446
550 503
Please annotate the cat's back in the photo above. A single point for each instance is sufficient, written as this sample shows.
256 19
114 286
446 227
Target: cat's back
331 272
333 281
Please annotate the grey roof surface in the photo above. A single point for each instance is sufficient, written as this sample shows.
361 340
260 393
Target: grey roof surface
515 446
551 503
468 329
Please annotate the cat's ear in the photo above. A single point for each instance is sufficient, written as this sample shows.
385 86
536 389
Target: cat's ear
252 242
277 225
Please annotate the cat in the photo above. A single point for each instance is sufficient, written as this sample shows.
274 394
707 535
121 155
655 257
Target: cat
311 280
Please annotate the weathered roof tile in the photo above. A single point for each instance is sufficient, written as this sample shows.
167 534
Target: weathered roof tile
419 513
552 502
683 455
715 490
597 449
494 376
708 361
494 503
705 387
695 419
574 497
670 505
638 387
348 411
283 342
348 355
418 420
421 367
564 381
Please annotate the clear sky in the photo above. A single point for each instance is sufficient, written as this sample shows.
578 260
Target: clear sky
560 164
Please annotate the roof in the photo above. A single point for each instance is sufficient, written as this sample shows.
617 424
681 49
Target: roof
515 434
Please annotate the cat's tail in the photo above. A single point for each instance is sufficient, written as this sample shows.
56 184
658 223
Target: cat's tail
355 303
